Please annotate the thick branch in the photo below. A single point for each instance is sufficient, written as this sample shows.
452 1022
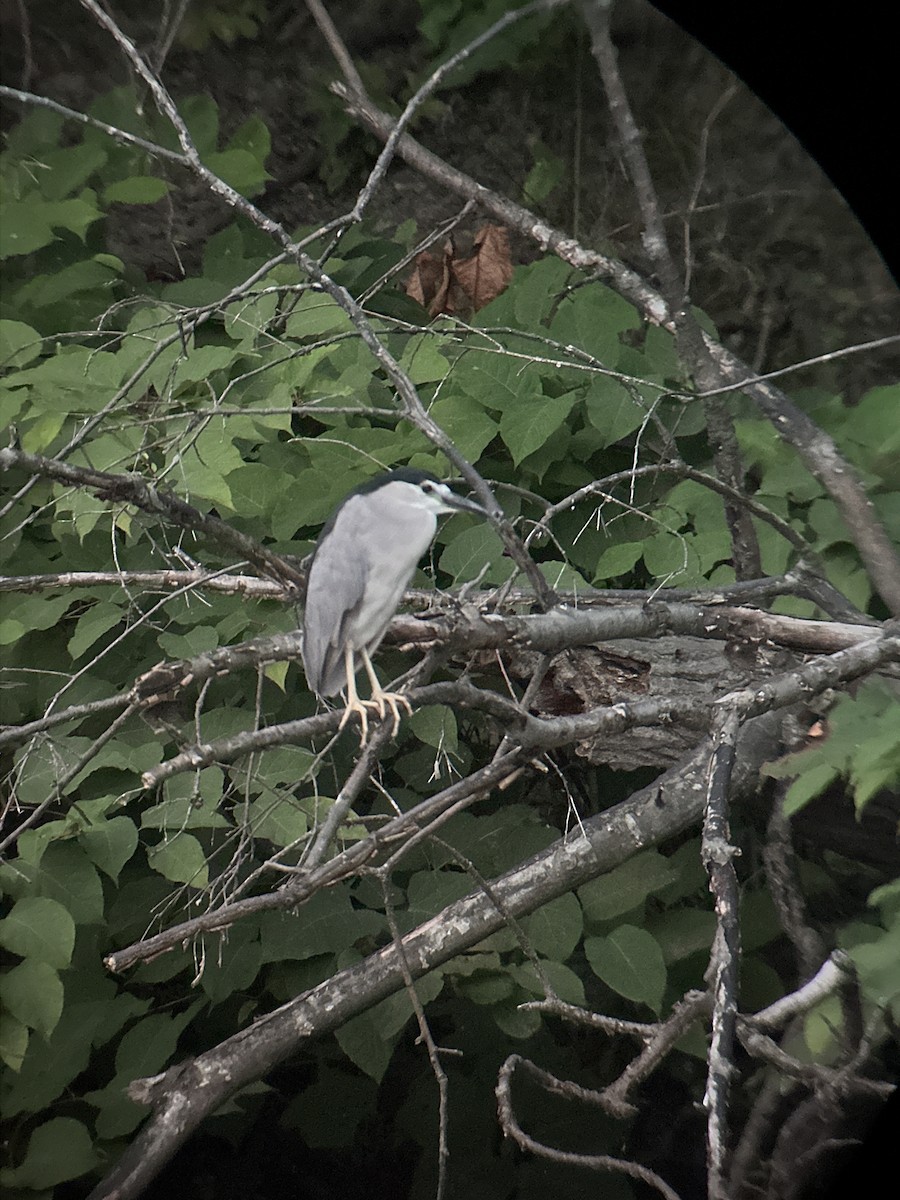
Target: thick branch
185 1095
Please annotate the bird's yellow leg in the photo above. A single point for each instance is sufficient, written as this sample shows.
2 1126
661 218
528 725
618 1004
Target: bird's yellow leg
383 700
354 704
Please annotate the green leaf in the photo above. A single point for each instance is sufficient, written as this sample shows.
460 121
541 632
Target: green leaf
471 550
233 969
682 932
878 964
137 189
50 1067
39 928
809 785
109 844
277 820
487 987
253 136
147 1046
67 875
239 169
436 726
612 410
181 859
327 923
13 1042
626 887
563 980
328 1112
465 422
555 929
631 963
526 426
19 343
92 625
316 315
545 176
57 1150
360 1039
617 560
69 168
591 318
514 1021
33 993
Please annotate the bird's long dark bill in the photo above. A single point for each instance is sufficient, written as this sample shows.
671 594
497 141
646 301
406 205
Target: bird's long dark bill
464 505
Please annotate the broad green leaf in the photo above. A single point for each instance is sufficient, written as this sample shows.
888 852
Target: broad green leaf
423 361
240 169
612 409
809 785
137 189
316 315
514 1021
50 1067
631 963
471 550
526 426
393 1012
68 168
682 932
563 980
436 726
361 1040
277 820
486 987
39 928
626 887
254 137
13 1041
545 176
150 1043
33 993
180 859
878 965
232 969
99 272
465 422
555 929
58 1150
19 343
328 1111
92 625
430 891
327 923
109 844
617 560
591 318
68 876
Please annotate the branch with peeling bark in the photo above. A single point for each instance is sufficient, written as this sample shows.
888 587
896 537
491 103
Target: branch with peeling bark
186 1094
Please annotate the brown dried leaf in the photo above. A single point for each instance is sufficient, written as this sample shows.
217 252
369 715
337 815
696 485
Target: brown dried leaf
461 286
429 283
489 270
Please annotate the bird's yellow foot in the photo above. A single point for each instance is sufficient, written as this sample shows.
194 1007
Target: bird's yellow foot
393 701
381 703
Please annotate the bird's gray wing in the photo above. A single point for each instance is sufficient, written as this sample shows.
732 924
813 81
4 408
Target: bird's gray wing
337 580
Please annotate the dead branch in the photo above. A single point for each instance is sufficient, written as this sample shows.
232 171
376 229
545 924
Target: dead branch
816 448
186 1094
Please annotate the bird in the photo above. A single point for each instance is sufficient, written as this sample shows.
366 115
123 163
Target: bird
362 564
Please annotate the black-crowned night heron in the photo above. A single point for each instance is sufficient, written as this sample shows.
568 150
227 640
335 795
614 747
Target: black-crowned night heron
363 562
